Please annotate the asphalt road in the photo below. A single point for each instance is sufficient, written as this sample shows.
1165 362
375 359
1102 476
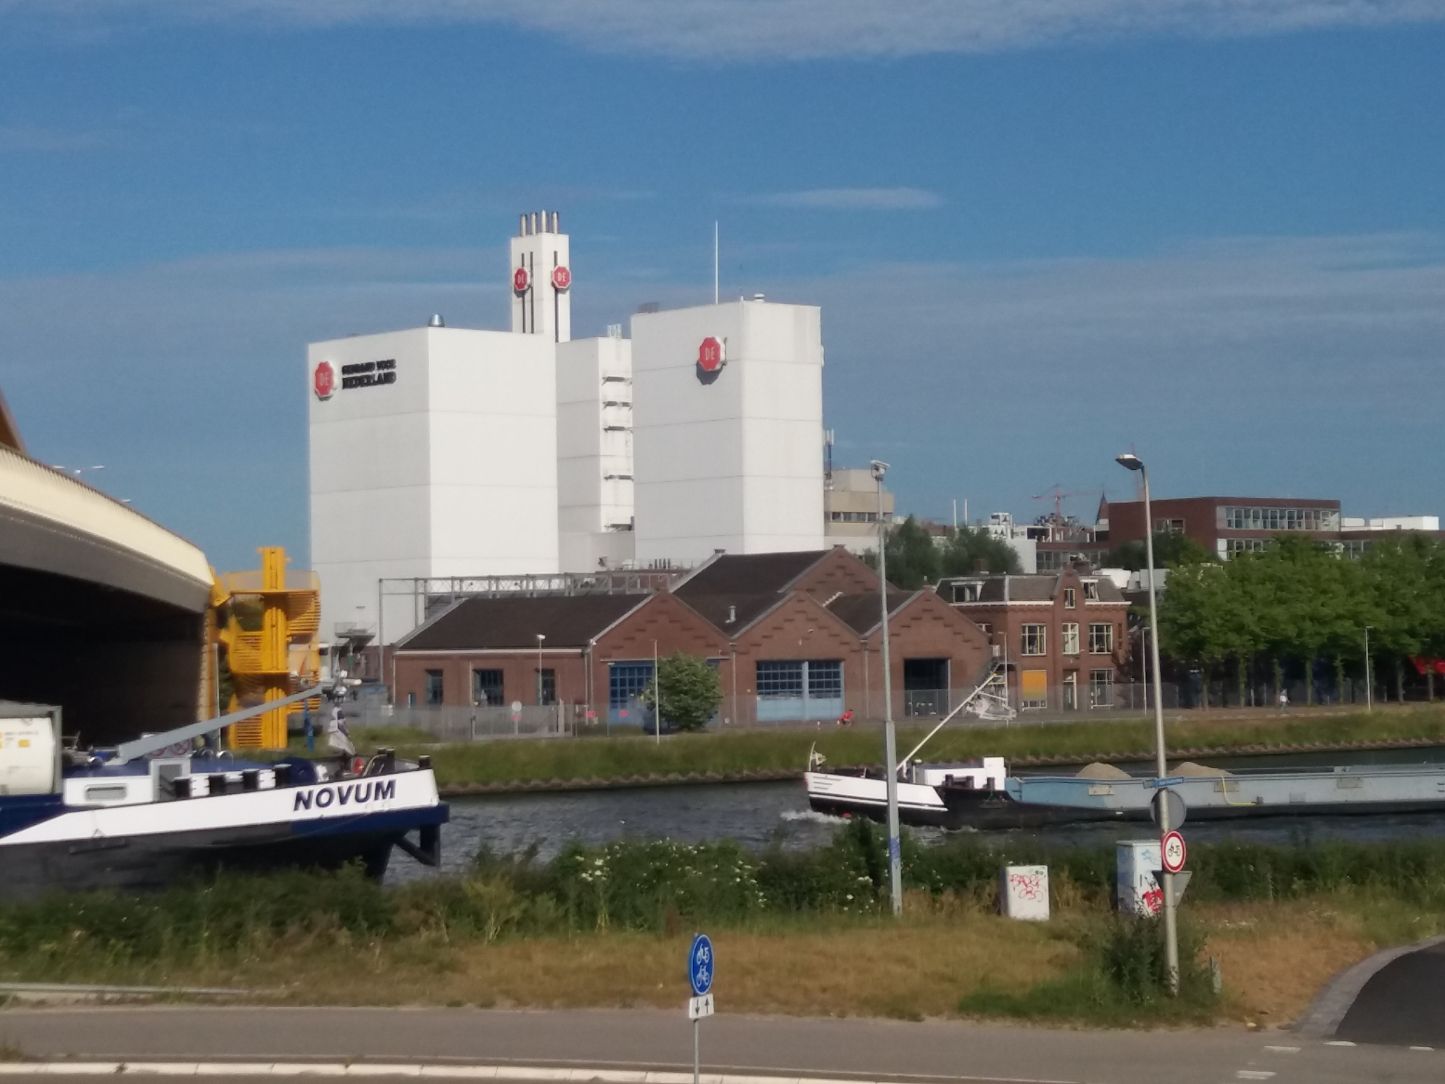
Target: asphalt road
1403 1003
776 1046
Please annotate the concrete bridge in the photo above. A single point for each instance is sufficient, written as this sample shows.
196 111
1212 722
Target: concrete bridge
102 611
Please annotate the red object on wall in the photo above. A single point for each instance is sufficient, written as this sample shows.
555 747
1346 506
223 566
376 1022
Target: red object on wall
561 277
323 380
710 354
521 280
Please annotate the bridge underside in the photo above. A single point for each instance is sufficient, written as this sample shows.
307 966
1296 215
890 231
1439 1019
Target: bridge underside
119 664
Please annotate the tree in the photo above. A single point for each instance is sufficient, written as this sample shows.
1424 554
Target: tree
913 559
1171 550
973 549
691 692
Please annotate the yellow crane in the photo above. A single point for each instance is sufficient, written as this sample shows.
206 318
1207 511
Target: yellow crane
266 623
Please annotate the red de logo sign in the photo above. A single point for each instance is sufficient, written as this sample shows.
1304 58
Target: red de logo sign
710 354
561 277
521 280
323 380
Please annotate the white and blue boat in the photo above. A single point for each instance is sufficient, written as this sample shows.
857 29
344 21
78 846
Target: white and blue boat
150 811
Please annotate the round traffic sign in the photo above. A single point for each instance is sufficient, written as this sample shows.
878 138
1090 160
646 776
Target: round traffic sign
1173 852
521 280
561 277
700 965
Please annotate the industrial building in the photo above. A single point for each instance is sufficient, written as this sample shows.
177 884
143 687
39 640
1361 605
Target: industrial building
438 453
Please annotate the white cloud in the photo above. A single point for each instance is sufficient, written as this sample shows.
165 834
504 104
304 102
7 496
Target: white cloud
21 138
724 30
853 199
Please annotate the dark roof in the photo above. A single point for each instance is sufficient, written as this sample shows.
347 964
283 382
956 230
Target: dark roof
861 611
748 574
481 624
1036 587
744 609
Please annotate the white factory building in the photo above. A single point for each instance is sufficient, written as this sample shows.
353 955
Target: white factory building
439 452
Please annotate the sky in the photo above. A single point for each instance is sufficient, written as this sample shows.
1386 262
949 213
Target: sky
1041 232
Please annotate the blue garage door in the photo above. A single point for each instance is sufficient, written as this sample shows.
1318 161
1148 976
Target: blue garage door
789 691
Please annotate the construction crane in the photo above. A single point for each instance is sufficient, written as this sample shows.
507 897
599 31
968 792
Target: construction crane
1057 493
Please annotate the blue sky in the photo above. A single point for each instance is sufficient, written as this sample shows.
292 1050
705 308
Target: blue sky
1041 231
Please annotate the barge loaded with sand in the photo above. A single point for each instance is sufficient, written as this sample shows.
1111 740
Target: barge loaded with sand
981 793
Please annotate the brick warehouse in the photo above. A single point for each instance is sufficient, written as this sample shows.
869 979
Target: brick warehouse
794 636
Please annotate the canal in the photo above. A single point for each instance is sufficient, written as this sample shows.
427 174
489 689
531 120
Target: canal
759 815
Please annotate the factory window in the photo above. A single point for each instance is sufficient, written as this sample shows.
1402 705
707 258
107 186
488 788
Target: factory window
1101 688
487 688
1101 639
1071 638
434 687
1069 601
1245 545
625 682
1033 640
1168 526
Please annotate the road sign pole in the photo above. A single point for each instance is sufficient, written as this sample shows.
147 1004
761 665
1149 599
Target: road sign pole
696 1027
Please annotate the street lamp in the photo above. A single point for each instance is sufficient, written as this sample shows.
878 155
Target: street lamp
1369 685
1171 931
890 740
540 637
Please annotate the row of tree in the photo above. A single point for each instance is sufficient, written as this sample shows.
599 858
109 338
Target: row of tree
915 558
1300 604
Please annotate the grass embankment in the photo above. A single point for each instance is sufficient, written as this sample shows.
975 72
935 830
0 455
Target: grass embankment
782 753
609 927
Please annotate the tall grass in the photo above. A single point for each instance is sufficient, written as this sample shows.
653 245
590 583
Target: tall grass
1111 973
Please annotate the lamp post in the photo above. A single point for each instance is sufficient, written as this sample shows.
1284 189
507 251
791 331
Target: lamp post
540 637
1171 931
1369 684
890 739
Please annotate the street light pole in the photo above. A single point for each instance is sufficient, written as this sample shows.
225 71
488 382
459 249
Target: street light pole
890 739
540 637
1369 684
1171 929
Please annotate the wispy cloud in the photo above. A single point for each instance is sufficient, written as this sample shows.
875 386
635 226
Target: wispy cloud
732 30
853 199
30 139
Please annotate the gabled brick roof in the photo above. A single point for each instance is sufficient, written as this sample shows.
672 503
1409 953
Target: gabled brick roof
748 574
862 611
481 624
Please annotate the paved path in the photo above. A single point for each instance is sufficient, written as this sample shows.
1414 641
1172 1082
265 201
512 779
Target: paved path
591 1041
1402 1003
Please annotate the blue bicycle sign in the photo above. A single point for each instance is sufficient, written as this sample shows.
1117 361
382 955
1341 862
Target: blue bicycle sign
700 965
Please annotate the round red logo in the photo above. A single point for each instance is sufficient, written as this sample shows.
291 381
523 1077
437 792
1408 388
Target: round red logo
323 380
561 277
521 280
710 354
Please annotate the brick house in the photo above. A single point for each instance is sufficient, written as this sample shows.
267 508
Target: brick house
794 636
1062 636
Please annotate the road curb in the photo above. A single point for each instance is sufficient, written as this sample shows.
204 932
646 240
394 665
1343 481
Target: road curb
1329 1007
427 1070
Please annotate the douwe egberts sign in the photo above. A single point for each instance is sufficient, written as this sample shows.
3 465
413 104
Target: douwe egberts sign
360 374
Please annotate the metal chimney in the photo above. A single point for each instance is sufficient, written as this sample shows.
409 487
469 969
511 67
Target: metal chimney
436 320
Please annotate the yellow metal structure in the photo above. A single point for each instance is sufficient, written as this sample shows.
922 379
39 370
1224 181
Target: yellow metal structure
267 623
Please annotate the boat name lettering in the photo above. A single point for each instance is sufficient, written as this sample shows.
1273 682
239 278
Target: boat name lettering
365 374
378 790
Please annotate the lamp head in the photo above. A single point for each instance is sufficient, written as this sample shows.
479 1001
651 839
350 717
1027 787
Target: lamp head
1130 461
541 636
879 467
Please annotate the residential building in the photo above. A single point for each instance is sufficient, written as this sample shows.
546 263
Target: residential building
1061 636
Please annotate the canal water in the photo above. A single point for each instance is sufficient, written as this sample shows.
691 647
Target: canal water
758 815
